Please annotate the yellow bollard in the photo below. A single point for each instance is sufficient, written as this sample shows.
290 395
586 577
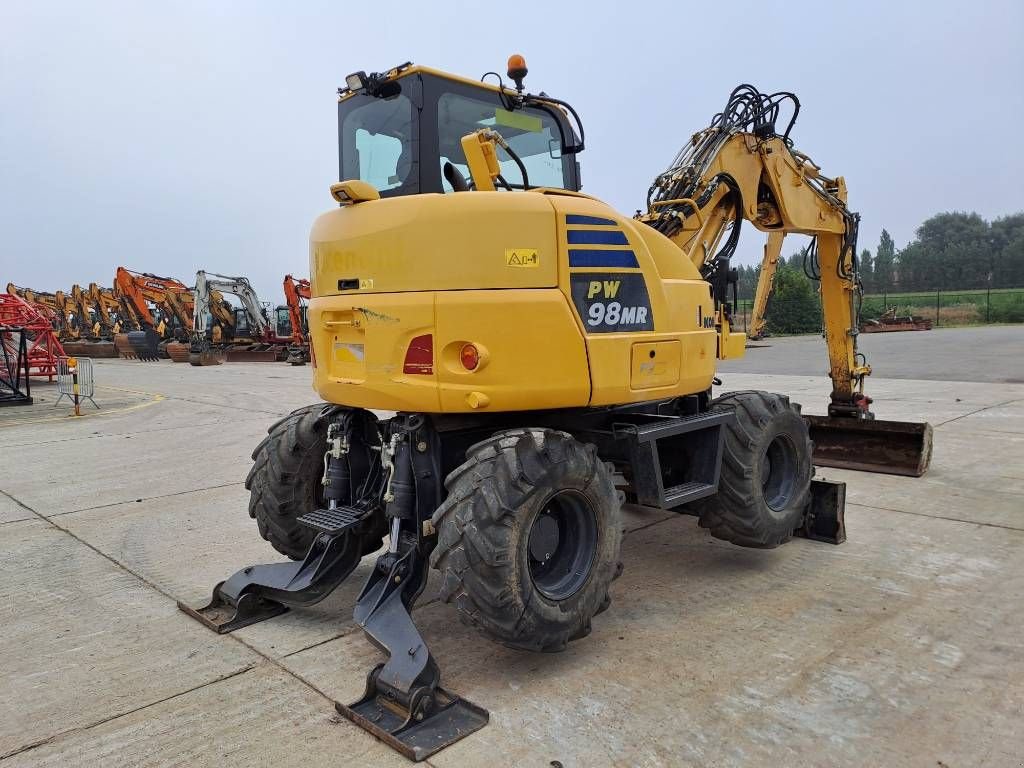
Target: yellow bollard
73 368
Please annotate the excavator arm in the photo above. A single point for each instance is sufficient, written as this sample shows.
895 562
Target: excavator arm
296 294
108 308
744 168
296 291
88 322
770 262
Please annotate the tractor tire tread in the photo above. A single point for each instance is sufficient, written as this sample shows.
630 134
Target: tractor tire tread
475 550
737 513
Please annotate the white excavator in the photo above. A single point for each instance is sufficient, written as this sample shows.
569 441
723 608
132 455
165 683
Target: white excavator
239 334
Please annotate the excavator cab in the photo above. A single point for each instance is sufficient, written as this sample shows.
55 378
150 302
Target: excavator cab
401 132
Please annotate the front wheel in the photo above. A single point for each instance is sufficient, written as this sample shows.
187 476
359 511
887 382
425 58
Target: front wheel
766 472
529 537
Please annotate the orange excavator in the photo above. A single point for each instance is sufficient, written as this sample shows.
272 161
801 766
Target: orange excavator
147 294
296 294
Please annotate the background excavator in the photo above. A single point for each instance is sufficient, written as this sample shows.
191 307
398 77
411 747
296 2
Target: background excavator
544 358
246 331
95 331
162 306
296 294
108 310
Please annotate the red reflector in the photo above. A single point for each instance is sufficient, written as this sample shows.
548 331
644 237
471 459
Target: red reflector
419 358
470 356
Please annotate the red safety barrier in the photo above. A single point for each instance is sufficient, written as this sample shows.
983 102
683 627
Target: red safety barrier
43 346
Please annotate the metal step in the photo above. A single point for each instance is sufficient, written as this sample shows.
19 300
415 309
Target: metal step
332 521
667 426
686 492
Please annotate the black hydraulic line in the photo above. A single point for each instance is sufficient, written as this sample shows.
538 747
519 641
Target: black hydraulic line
539 101
522 168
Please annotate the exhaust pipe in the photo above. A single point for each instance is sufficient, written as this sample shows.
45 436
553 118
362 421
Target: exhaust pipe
867 445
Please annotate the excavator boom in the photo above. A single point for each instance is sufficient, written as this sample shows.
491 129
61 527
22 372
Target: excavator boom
744 167
296 294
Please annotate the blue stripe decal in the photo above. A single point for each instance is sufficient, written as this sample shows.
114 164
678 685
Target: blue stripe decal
589 258
596 237
575 218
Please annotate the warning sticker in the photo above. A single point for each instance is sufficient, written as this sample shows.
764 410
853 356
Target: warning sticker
522 257
612 302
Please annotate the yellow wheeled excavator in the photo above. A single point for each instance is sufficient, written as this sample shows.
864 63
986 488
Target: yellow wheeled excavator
544 358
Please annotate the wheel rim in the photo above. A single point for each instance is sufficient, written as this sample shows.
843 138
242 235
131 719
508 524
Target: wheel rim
778 472
562 545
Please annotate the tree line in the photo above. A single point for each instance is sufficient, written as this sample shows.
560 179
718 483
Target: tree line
951 251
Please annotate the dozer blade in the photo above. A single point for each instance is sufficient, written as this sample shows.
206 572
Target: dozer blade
888 447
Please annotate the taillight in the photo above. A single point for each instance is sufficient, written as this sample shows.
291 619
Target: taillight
419 357
470 357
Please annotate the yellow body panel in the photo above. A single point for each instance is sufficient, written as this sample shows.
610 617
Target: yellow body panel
433 242
517 275
359 344
655 364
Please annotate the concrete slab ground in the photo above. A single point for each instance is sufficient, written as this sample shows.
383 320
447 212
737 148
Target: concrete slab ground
902 647
991 353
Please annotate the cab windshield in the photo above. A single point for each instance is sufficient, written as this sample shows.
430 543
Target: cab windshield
532 135
401 143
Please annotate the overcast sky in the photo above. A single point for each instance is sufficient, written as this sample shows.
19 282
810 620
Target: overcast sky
172 136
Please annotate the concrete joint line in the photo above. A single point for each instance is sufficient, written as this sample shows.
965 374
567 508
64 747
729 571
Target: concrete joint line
980 410
109 718
938 517
148 498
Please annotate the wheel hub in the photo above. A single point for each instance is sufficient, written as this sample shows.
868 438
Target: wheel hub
562 545
544 538
778 472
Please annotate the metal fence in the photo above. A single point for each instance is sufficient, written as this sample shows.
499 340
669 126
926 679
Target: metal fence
943 308
75 380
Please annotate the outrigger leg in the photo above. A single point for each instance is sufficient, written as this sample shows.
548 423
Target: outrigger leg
404 704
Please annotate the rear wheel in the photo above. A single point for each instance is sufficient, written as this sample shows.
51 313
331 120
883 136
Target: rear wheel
766 472
529 538
284 482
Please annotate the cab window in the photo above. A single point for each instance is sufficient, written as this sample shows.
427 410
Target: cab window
532 134
377 143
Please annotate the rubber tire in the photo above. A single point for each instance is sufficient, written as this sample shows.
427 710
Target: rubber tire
738 513
284 482
483 528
